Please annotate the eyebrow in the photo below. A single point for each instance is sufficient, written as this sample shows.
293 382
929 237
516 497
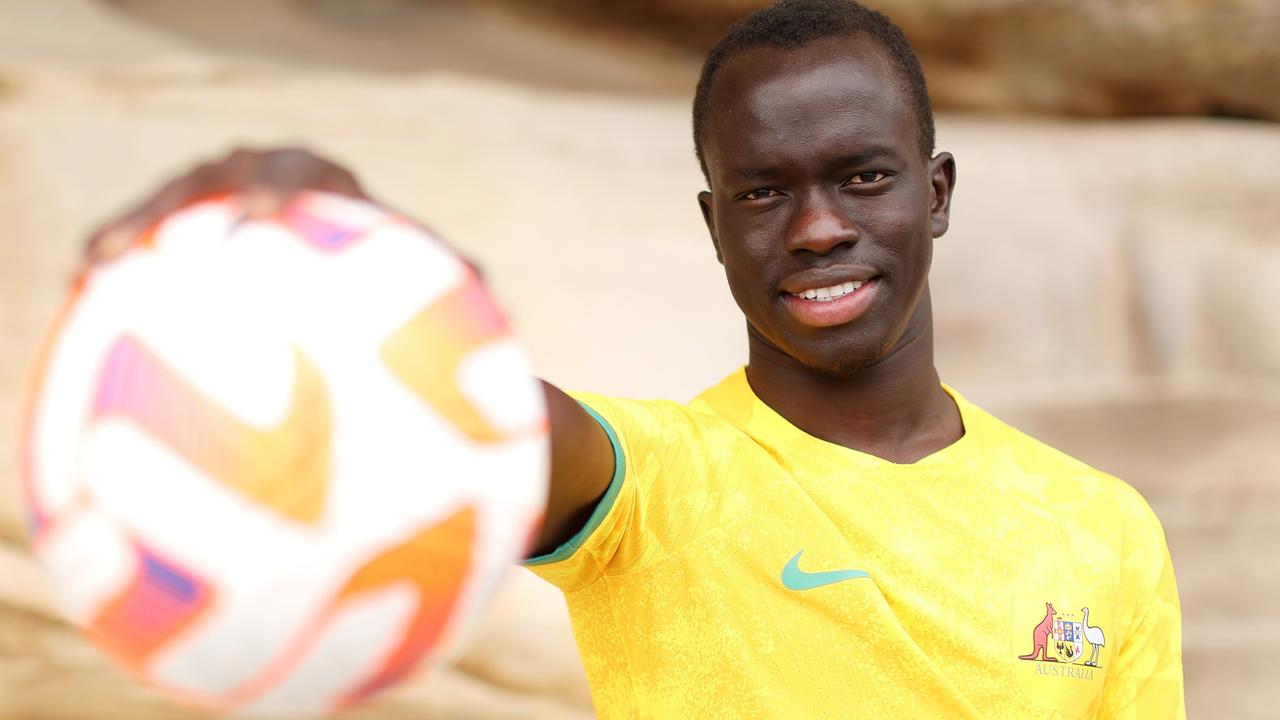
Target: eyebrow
867 155
862 156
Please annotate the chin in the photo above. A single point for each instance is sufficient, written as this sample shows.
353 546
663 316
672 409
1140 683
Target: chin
840 358
845 364
837 353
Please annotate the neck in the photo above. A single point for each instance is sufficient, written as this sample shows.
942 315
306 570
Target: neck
894 408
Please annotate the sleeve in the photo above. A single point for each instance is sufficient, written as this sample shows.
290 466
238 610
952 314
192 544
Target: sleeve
1146 680
652 505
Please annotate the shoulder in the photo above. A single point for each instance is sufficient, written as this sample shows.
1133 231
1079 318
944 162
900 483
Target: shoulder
657 418
1042 468
662 433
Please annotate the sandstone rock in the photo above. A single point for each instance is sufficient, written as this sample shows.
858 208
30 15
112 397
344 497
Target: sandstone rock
1093 57
410 36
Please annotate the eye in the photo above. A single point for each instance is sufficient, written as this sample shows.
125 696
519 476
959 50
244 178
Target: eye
866 178
759 194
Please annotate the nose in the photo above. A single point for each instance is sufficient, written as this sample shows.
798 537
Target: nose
820 224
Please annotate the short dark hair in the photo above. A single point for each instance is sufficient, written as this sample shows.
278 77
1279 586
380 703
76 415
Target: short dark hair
795 23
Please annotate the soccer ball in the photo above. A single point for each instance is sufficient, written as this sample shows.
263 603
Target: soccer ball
273 465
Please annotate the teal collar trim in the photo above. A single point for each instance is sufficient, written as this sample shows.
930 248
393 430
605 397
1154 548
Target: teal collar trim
570 546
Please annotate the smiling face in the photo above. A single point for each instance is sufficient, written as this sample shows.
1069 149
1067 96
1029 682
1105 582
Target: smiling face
822 206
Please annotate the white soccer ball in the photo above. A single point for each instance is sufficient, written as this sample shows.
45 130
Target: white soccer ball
274 465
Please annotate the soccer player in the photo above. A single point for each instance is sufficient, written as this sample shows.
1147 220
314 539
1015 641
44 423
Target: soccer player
829 531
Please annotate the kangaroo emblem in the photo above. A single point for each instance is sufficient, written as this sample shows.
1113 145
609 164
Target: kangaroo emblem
1040 636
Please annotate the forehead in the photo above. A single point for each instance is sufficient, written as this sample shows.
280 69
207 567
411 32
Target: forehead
832 95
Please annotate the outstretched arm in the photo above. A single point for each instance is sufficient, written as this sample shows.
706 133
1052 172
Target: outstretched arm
581 455
581 468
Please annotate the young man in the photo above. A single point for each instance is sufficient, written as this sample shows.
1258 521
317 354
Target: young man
830 531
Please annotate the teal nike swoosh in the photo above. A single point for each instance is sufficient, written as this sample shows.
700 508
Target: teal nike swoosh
793 578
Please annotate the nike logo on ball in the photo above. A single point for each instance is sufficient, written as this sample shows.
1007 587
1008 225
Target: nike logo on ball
793 578
285 467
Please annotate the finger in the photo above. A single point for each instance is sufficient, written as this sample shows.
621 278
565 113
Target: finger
267 180
260 203
282 174
114 237
294 169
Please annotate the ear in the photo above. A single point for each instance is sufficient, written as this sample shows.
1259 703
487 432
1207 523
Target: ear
942 178
704 202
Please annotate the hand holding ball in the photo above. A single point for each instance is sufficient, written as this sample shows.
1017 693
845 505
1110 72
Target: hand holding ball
275 464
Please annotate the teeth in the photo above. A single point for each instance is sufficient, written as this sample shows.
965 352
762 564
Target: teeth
829 293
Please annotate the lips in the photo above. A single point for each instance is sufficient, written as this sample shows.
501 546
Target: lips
826 277
830 305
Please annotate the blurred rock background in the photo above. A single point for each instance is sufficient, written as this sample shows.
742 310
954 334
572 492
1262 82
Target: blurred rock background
1111 282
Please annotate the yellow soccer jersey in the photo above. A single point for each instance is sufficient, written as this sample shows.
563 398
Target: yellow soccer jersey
738 567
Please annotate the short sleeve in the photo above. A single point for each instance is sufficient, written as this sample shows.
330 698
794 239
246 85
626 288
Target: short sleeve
654 502
1146 680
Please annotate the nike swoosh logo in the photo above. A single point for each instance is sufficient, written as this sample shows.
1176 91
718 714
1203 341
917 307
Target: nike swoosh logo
427 352
793 578
285 467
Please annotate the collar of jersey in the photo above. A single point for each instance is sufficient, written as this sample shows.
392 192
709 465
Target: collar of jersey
733 400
